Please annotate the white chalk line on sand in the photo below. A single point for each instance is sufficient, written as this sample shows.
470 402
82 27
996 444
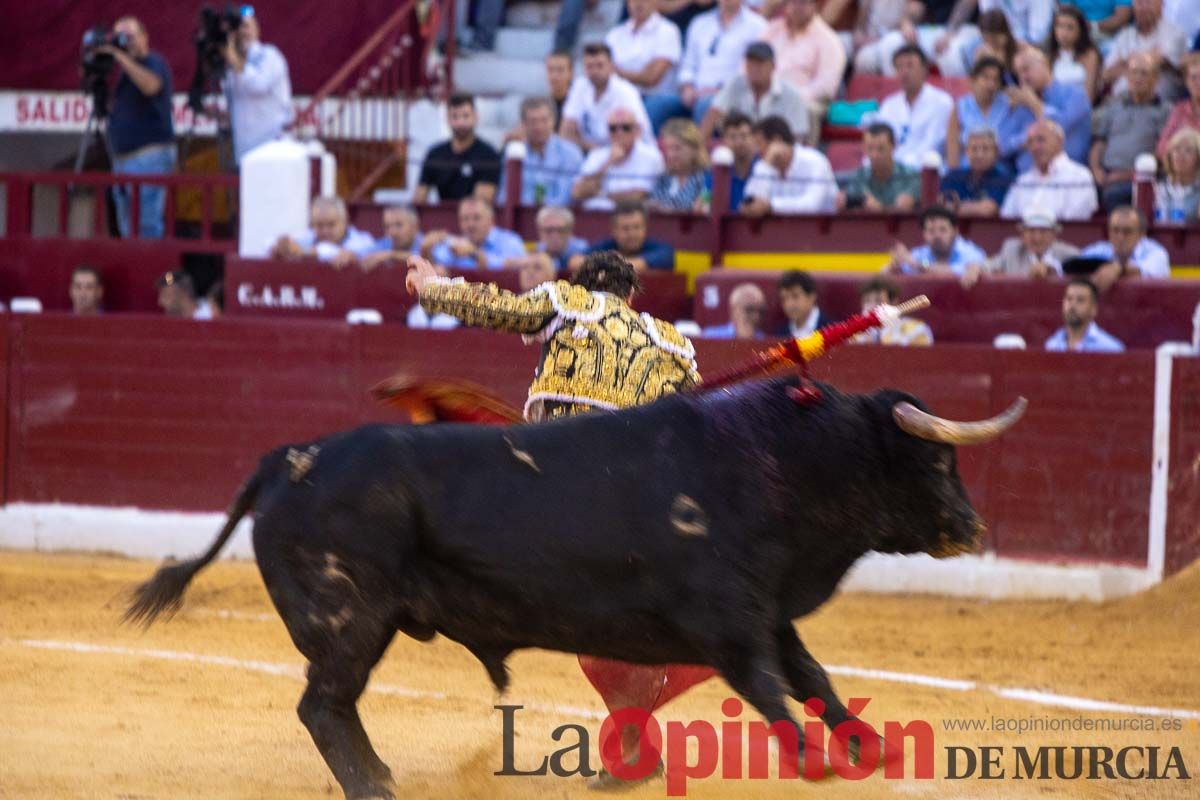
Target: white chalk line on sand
1034 696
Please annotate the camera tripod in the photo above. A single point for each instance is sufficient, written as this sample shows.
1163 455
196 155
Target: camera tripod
96 126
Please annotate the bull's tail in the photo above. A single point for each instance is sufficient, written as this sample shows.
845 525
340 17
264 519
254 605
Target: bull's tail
164 592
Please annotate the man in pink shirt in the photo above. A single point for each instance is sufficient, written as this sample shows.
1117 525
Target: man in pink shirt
1186 113
808 55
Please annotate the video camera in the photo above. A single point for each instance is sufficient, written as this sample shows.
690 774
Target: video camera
211 38
96 65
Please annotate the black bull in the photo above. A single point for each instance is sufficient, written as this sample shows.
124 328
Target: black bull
693 530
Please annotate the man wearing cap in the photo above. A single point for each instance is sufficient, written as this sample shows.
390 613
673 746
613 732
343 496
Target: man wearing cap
758 93
1036 251
177 297
257 88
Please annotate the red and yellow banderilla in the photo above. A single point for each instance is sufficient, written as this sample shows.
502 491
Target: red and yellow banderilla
800 351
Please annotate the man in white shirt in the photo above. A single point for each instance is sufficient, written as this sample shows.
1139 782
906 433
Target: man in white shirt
919 112
1129 253
257 88
331 238
1149 33
716 42
790 178
646 49
1055 183
595 95
624 170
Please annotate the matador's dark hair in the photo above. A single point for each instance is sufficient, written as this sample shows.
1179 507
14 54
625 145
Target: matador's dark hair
607 271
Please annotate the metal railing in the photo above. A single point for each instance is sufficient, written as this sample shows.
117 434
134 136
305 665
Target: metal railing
360 113
190 204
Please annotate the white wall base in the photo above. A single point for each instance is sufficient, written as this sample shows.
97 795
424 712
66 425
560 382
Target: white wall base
157 534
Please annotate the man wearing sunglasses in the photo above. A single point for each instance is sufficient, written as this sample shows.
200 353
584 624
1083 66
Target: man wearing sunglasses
257 88
624 170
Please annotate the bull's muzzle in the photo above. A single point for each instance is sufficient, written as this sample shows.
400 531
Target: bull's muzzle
924 425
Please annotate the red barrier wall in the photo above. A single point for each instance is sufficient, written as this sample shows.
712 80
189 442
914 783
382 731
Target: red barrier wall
173 414
1141 313
4 366
1183 492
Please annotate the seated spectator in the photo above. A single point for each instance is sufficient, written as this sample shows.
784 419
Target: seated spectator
481 244
882 183
737 133
997 40
904 332
715 43
625 169
790 178
1154 36
646 49
1177 197
463 166
556 244
798 298
1036 251
401 238
986 106
1045 98
560 70
177 297
758 93
1080 333
331 238
935 26
593 98
978 189
1055 182
1105 17
944 250
629 226
551 162
1123 129
747 312
919 113
1073 54
1129 252
86 291
808 56
1186 113
869 44
682 186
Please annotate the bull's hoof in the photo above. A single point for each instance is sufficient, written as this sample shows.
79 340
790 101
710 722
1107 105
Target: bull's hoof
605 781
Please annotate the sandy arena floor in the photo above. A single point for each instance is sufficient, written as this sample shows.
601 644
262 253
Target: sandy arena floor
203 706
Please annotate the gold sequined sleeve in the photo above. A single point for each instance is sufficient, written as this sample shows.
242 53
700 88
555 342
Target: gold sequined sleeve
485 305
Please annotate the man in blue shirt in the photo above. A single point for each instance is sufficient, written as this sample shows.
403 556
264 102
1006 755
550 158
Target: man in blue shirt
481 246
978 189
551 162
629 225
140 131
737 133
1081 334
944 250
401 238
1059 102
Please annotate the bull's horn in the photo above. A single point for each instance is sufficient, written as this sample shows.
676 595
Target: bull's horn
926 426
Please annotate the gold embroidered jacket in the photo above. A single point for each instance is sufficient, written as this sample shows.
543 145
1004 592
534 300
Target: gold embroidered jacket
597 352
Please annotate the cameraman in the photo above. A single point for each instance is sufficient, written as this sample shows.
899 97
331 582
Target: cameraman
140 130
257 87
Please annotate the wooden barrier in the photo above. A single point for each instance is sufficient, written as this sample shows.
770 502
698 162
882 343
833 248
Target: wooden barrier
169 414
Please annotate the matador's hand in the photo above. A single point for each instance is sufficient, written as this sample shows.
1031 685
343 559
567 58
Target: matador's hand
419 273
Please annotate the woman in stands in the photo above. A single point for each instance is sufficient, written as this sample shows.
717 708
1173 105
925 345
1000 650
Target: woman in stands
985 106
1072 53
998 43
681 187
1177 199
